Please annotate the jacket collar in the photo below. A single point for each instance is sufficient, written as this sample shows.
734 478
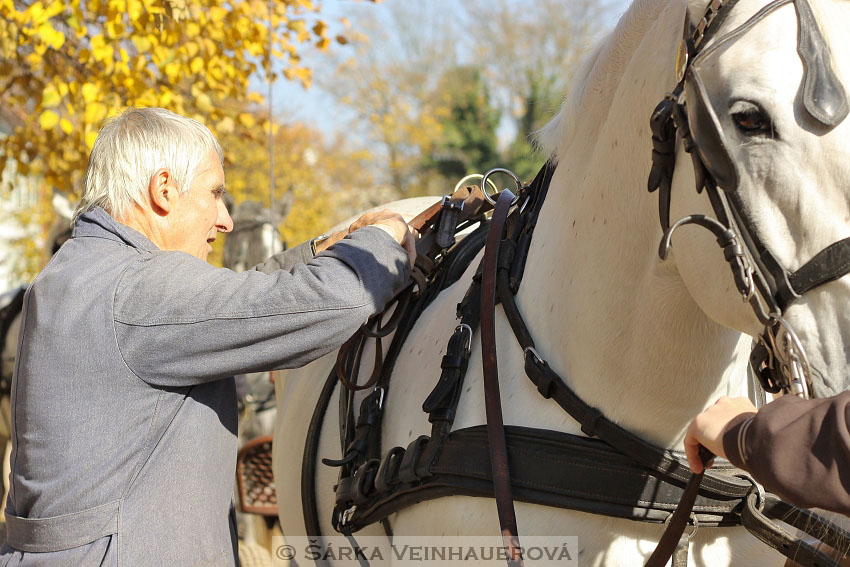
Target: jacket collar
97 223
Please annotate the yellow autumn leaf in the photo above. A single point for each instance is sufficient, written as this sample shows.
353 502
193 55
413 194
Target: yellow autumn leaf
66 125
95 112
247 120
51 36
217 14
135 9
90 91
196 65
50 97
225 126
48 120
203 102
320 28
90 138
142 43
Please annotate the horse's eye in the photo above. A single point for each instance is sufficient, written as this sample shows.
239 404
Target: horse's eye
751 120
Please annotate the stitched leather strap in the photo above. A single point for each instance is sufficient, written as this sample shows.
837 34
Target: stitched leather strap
492 400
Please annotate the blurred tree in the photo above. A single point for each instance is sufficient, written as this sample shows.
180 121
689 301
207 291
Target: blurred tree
386 81
468 142
66 66
425 89
326 182
529 54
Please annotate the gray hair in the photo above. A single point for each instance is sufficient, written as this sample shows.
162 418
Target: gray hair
133 146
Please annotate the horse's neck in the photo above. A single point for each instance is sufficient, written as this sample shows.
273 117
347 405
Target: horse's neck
616 322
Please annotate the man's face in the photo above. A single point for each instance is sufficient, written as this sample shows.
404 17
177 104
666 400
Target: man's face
200 213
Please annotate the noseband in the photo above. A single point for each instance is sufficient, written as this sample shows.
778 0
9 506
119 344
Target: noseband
778 359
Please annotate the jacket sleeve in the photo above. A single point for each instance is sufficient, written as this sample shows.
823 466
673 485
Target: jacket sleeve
798 449
180 321
288 259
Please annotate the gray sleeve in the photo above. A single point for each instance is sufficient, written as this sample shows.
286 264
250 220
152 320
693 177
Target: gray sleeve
180 321
288 259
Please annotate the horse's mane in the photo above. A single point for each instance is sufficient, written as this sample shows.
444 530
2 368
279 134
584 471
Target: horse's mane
595 83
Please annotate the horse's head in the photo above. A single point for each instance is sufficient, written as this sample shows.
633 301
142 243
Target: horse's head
764 102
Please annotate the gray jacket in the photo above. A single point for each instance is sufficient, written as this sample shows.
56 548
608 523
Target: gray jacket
124 412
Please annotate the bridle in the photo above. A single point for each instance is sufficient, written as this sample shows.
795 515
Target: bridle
778 359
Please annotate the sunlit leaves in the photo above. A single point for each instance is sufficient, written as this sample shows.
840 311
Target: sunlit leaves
48 120
67 66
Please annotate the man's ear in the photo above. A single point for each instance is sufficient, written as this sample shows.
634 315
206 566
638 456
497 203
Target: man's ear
162 192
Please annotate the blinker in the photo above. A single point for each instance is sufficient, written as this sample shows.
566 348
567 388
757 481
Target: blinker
707 133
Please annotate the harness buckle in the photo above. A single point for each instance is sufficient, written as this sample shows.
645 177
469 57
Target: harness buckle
467 328
533 353
448 203
346 515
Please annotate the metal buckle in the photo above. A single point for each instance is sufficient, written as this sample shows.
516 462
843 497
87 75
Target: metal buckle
534 353
380 396
346 515
452 204
465 327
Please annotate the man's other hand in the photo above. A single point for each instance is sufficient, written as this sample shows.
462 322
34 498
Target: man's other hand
391 223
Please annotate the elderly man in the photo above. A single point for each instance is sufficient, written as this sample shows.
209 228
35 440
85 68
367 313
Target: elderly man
124 412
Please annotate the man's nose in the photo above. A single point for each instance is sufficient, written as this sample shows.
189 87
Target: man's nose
223 223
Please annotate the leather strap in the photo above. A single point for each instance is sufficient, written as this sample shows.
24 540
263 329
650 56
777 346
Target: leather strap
492 401
671 540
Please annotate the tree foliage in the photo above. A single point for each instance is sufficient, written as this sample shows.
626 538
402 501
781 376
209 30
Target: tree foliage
68 65
444 88
529 54
327 181
468 141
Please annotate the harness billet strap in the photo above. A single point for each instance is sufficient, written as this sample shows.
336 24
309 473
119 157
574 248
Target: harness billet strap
492 401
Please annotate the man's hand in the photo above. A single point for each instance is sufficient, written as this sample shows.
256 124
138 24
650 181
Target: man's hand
391 223
707 428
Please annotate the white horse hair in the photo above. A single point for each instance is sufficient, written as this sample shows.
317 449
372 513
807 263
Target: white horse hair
651 343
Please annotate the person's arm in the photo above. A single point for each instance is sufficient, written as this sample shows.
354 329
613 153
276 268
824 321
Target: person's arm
386 220
180 321
797 449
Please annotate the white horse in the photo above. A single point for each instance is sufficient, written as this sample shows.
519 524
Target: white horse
651 343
